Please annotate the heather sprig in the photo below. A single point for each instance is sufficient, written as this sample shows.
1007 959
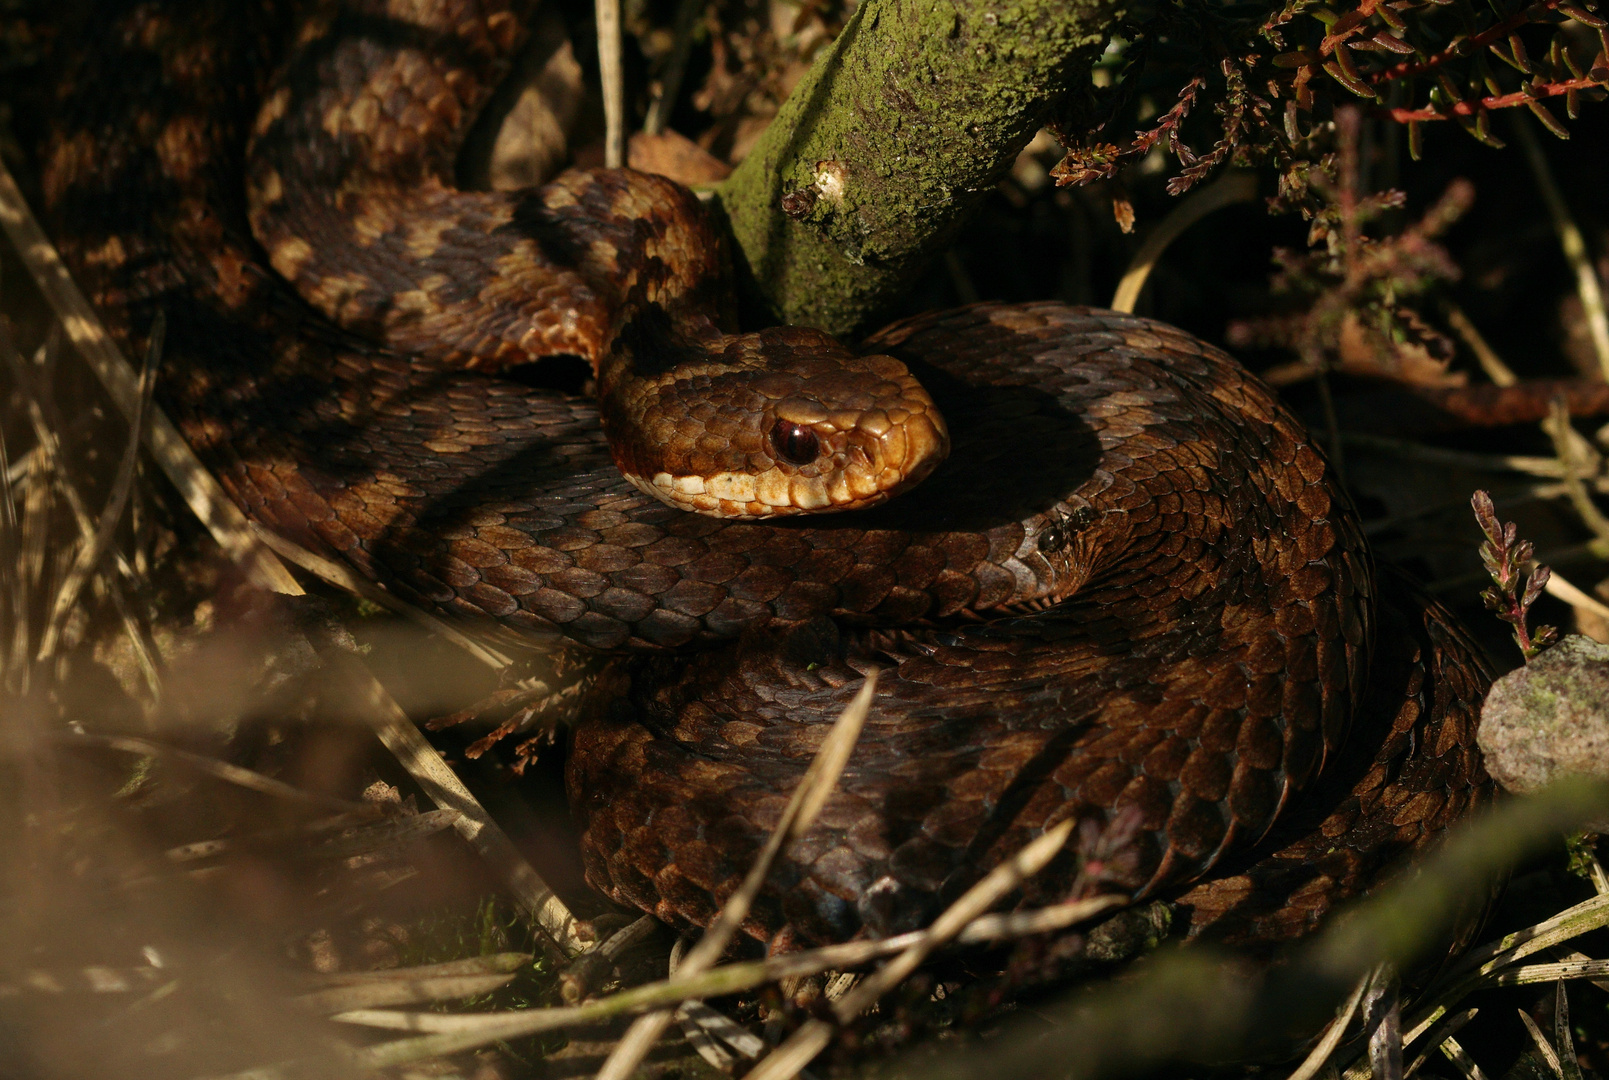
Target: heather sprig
1512 591
1263 89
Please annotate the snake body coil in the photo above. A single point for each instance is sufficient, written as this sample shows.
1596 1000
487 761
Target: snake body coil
1133 585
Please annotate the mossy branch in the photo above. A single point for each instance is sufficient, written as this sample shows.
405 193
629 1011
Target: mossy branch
889 141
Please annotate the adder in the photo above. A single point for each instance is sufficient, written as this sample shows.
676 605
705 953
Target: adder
1105 574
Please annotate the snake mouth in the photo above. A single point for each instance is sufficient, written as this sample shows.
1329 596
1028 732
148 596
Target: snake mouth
777 423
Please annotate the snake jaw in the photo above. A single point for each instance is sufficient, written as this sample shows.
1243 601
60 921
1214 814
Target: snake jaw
854 469
773 424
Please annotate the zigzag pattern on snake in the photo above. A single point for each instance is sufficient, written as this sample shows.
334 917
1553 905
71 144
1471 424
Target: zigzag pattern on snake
1134 583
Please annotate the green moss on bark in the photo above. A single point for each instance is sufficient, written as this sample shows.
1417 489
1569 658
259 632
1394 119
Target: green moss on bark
893 136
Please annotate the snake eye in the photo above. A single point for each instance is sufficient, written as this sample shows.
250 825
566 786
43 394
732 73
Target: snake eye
795 443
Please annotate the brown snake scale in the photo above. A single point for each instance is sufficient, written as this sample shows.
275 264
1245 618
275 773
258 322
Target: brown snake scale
1133 583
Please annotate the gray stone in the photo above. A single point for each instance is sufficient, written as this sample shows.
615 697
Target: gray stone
1550 718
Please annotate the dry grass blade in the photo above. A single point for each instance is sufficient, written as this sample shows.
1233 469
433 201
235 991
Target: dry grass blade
1015 924
1574 956
1326 1045
380 993
14 473
15 658
1590 914
810 1039
1236 187
222 770
446 1034
94 549
702 1018
808 799
1033 858
1496 370
1449 1026
44 461
436 777
706 1028
1461 1060
1561 1033
342 578
1543 1047
1484 966
746 975
1541 973
494 964
86 980
1382 1019
167 447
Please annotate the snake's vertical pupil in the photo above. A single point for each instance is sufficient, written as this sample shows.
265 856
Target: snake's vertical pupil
795 443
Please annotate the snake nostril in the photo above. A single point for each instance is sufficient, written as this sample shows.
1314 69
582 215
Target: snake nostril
795 443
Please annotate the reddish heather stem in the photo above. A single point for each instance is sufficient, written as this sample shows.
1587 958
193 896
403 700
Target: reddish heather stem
1461 48
1501 101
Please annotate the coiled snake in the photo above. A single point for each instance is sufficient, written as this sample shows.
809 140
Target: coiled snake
1133 583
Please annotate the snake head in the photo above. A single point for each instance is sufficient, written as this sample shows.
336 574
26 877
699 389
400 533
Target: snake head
784 421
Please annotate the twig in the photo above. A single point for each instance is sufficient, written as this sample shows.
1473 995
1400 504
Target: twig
1235 187
1585 508
797 818
1502 375
1570 239
166 446
1497 371
612 76
577 981
670 79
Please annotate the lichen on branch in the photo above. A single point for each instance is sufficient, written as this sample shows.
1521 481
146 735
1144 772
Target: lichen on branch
891 139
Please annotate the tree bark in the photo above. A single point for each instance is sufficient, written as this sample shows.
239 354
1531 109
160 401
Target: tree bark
892 138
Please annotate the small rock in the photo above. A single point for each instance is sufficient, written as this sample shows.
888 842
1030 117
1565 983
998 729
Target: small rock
1550 719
